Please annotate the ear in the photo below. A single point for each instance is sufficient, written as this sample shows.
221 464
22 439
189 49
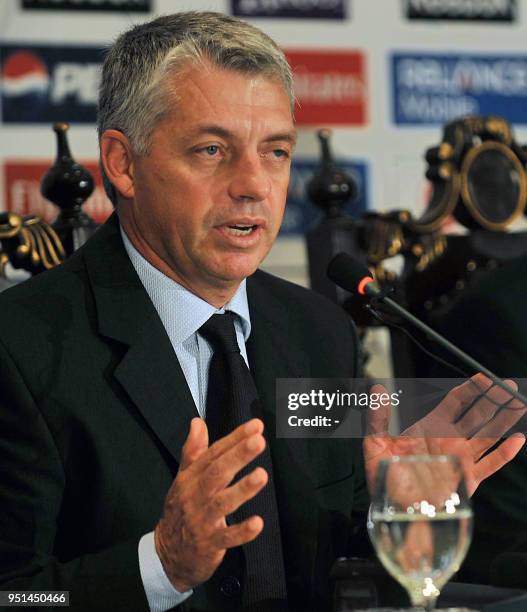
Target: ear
117 160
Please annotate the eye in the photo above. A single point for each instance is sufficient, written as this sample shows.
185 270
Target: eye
280 153
211 150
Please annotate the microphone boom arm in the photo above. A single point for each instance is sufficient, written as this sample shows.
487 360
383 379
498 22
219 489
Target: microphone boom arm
452 348
354 276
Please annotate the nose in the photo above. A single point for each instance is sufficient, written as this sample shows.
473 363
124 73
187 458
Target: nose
249 180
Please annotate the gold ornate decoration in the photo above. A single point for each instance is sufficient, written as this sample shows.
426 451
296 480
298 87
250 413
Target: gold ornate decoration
496 125
471 148
393 233
430 248
518 171
386 239
29 243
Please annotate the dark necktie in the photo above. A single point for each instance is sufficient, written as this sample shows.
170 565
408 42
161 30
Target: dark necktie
232 399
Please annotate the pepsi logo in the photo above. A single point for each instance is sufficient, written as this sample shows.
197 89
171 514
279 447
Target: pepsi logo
24 73
46 83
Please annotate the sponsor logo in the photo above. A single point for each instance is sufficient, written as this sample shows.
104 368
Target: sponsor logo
142 6
22 191
433 89
473 10
24 73
301 9
330 87
45 84
300 213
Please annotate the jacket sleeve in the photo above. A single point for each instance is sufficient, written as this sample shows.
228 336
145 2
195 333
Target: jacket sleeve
32 485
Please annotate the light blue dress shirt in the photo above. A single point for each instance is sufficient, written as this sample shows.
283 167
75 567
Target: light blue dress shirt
182 314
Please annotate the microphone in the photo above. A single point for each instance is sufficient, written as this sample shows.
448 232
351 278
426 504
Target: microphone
353 276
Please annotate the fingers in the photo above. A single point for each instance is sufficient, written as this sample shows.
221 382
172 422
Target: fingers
486 407
496 429
196 443
241 433
207 471
219 472
193 452
192 534
229 500
237 535
495 460
462 397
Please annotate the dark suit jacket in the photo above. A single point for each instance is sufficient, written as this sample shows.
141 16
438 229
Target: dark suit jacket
489 322
94 410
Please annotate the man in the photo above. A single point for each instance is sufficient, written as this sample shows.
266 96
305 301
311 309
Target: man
109 486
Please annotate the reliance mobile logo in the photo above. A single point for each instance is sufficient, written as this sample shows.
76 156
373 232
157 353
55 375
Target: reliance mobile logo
330 87
42 84
434 88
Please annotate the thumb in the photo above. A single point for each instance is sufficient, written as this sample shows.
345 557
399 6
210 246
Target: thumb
196 443
377 441
379 412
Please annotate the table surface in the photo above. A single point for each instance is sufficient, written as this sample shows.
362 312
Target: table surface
356 579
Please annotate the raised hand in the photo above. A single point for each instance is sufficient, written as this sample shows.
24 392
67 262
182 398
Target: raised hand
453 429
192 536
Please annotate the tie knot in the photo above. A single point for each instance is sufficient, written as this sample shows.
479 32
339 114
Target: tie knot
220 332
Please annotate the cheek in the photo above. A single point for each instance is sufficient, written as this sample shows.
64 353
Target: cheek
279 203
183 204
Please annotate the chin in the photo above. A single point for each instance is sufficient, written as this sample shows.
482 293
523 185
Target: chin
231 277
238 270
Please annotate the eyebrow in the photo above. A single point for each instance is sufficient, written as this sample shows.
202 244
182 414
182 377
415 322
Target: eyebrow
222 132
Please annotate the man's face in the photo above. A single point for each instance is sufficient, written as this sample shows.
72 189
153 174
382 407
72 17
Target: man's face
209 198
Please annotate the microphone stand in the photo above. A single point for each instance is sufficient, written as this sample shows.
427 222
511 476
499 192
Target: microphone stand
378 295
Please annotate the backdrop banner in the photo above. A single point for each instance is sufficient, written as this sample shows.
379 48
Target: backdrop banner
125 6
299 9
461 10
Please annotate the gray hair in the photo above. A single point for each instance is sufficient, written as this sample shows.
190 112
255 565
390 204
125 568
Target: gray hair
135 92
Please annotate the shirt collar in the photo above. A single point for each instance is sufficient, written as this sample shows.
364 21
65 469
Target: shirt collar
182 312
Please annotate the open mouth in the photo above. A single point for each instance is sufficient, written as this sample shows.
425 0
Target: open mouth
240 230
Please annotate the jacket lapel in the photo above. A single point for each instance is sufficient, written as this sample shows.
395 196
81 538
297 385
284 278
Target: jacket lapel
149 371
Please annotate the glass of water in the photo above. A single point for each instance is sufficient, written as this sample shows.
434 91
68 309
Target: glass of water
420 522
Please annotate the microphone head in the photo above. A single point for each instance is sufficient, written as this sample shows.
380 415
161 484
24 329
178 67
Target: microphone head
351 275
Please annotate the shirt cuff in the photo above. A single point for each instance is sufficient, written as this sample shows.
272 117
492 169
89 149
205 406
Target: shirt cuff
160 593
